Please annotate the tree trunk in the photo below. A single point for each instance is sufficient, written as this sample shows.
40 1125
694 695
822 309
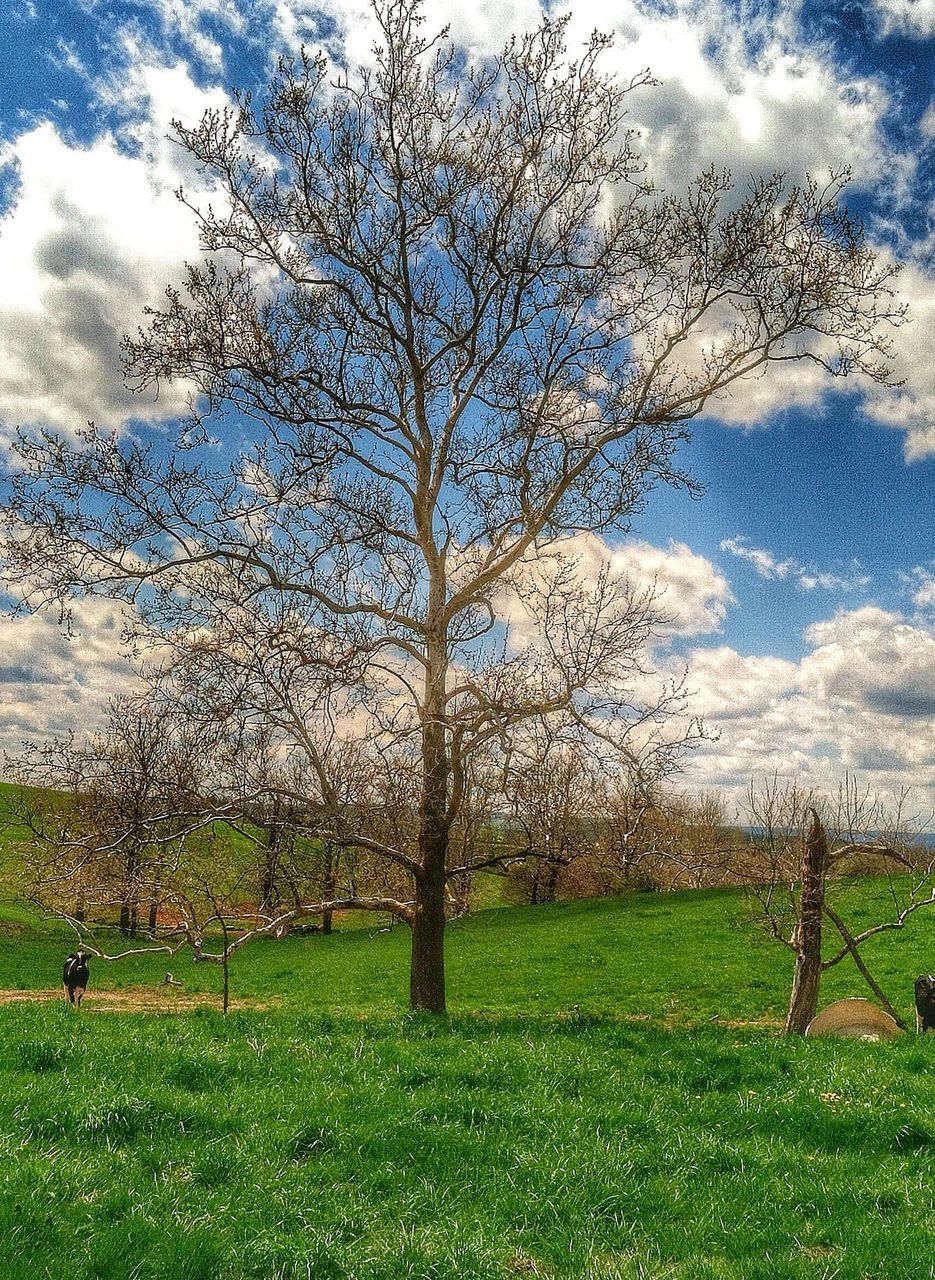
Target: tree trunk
128 906
551 882
225 994
534 887
803 1002
328 886
268 896
427 969
154 903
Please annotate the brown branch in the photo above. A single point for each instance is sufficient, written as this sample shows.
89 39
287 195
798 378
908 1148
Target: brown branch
851 949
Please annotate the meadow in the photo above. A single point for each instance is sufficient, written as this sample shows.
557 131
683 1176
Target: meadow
609 1099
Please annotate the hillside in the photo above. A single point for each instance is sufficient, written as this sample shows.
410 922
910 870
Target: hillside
328 1134
681 958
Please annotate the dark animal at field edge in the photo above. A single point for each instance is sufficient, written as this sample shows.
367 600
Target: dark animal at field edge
925 1002
75 977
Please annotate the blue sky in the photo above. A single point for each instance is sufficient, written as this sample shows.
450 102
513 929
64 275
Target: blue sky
804 578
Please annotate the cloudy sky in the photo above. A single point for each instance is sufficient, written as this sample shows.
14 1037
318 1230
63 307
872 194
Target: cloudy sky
802 584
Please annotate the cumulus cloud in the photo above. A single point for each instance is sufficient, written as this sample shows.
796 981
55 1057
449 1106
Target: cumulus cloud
349 31
52 683
767 565
733 93
690 594
910 407
94 235
728 685
870 659
913 18
735 88
860 700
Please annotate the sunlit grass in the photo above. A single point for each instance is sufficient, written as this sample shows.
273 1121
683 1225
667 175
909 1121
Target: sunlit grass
286 1145
591 1110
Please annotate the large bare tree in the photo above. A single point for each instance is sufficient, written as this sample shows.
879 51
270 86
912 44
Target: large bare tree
442 321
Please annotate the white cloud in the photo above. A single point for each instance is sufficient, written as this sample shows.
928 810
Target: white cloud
735 90
911 406
927 123
736 87
778 388
690 594
921 583
869 660
727 684
51 683
768 566
913 18
349 30
94 235
691 591
861 700
765 563
186 19
199 25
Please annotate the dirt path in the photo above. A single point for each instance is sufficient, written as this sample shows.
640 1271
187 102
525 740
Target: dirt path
130 1000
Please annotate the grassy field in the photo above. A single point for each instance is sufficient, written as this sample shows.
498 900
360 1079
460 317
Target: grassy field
610 1099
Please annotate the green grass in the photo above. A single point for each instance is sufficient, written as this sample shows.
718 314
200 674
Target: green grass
292 1145
591 1110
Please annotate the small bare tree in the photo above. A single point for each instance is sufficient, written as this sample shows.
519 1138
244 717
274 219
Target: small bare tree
450 322
214 836
665 839
797 857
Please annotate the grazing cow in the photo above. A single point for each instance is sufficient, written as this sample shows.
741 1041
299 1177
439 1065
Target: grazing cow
925 1002
75 977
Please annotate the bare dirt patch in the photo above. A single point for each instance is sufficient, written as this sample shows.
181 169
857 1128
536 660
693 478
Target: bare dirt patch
131 1000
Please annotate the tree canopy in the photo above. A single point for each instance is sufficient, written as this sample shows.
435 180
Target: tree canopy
442 323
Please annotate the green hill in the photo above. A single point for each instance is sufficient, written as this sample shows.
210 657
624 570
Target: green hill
680 958
610 1102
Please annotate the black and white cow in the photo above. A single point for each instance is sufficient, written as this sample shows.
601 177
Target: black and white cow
75 976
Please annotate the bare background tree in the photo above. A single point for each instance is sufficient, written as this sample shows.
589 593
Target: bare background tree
97 816
442 321
184 842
